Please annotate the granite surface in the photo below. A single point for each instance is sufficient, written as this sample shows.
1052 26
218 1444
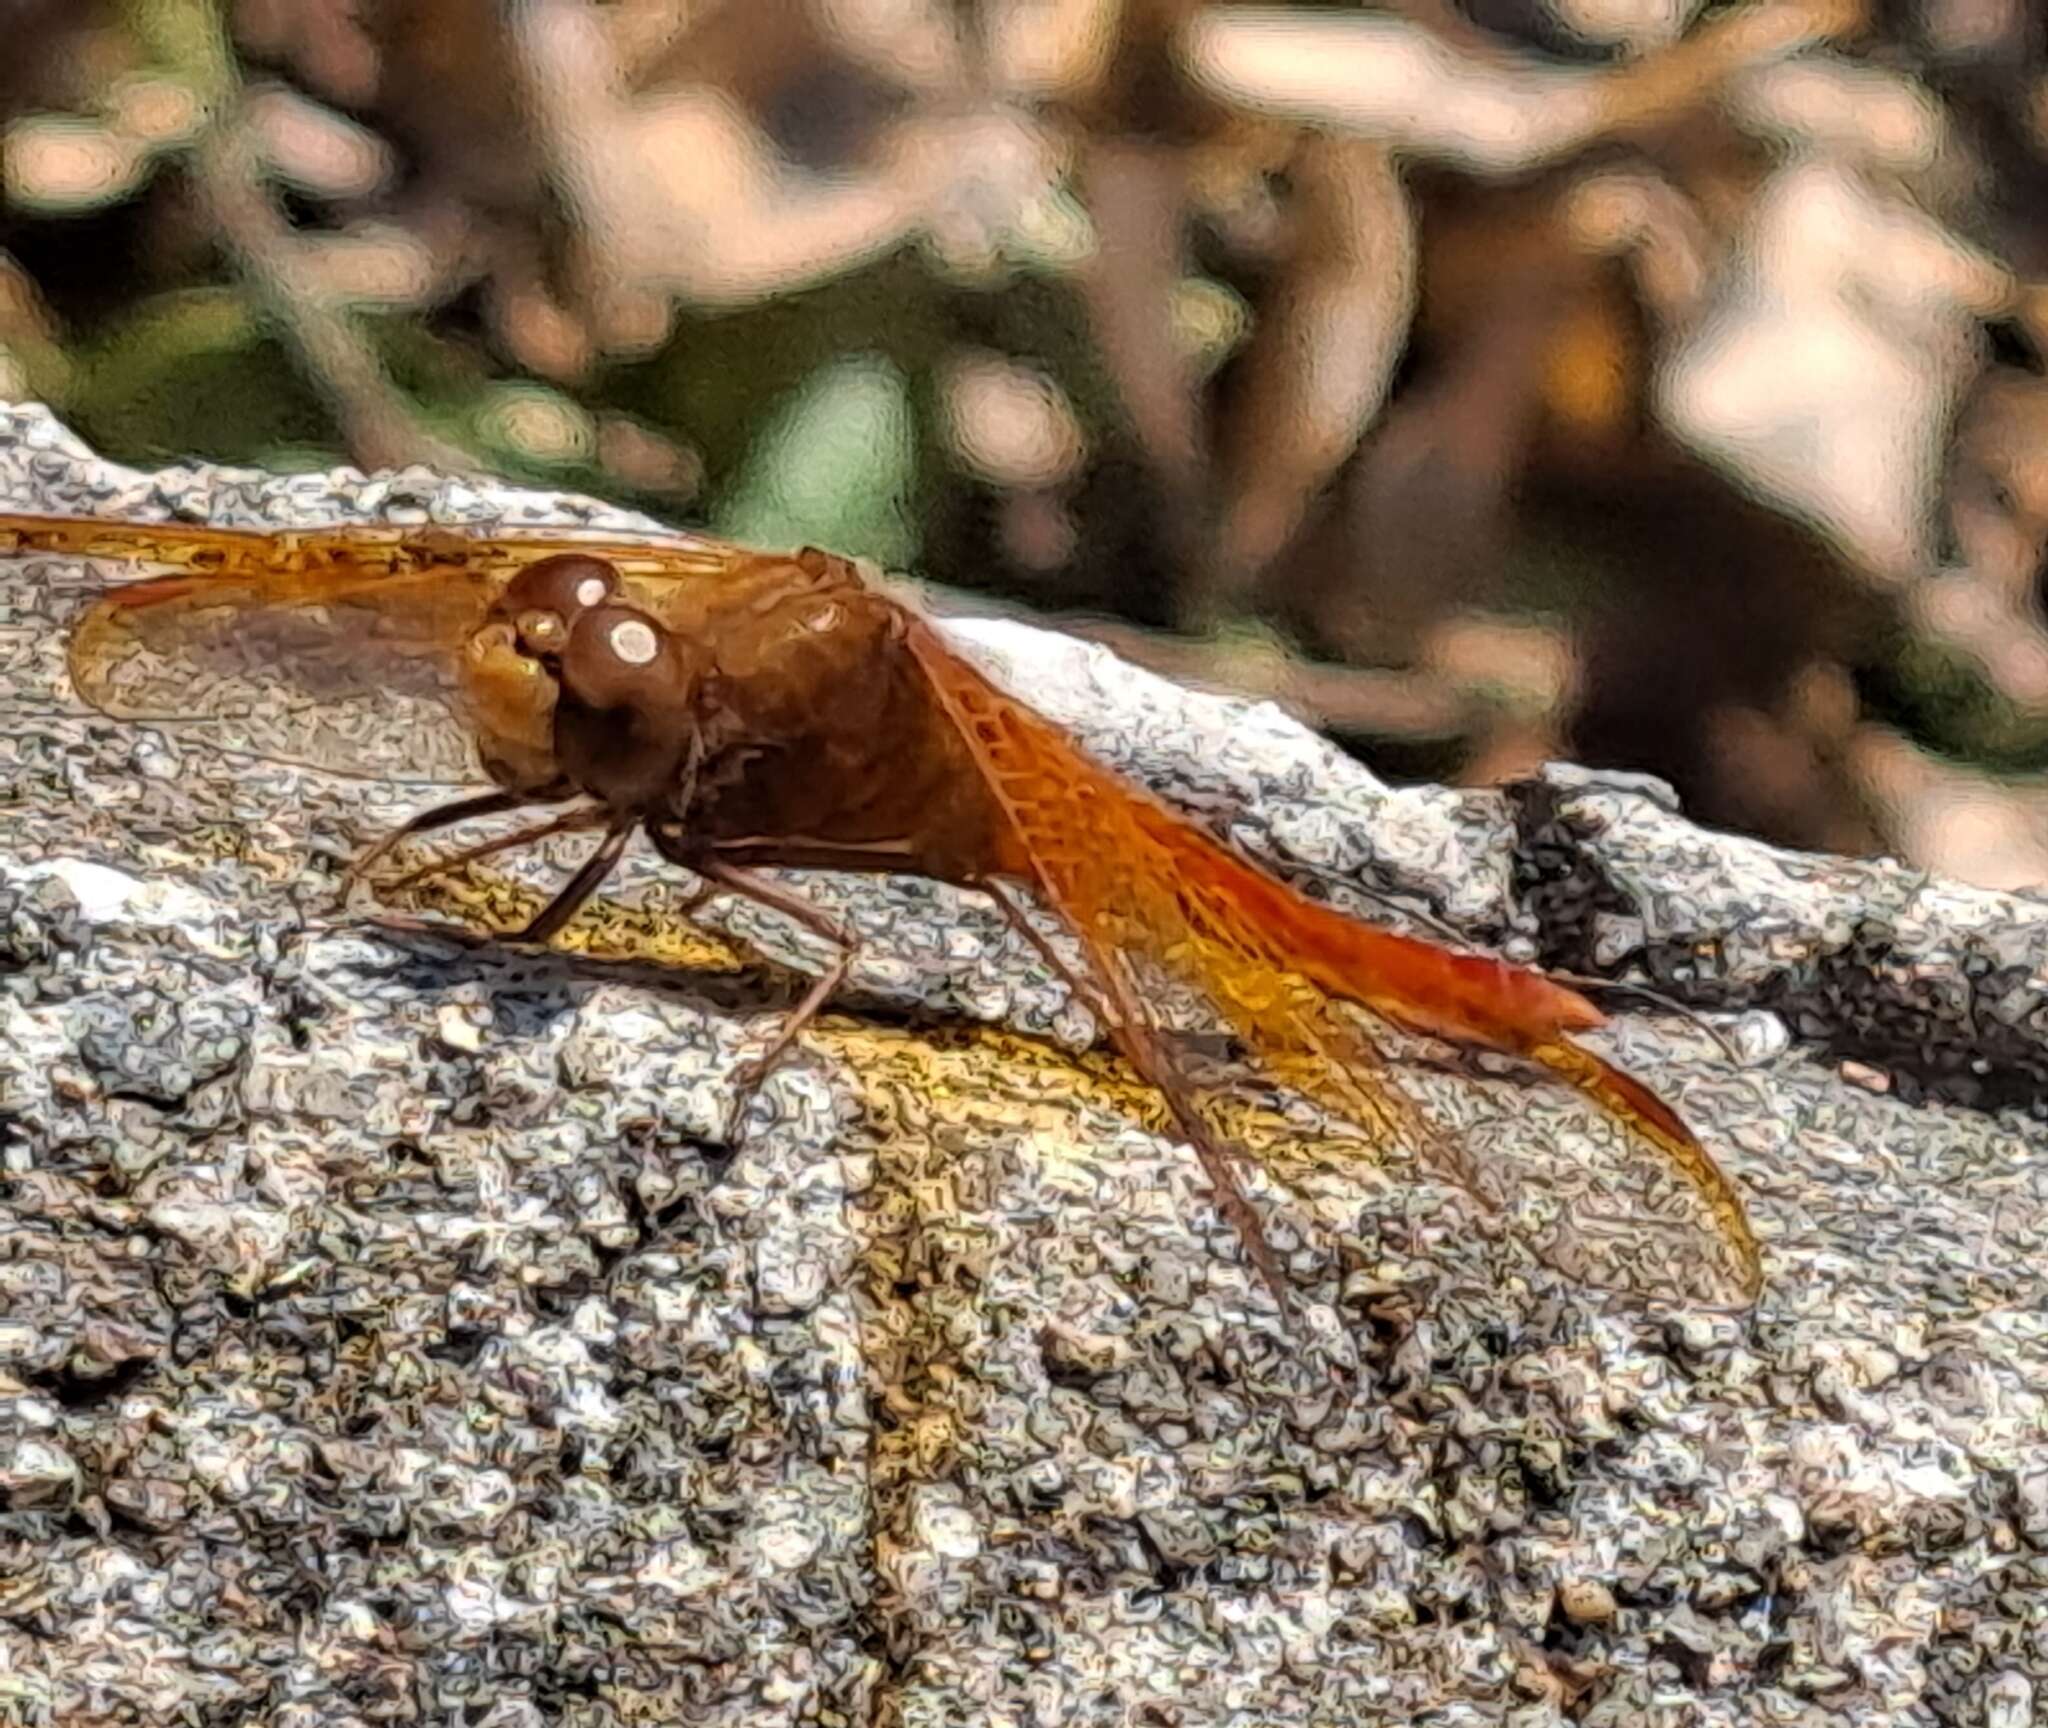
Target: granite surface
389 1334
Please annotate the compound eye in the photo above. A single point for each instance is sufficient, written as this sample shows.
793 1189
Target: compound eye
566 585
618 657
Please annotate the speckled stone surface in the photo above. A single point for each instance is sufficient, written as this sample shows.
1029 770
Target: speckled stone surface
387 1333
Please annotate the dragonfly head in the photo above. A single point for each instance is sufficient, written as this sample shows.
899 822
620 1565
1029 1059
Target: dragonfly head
567 677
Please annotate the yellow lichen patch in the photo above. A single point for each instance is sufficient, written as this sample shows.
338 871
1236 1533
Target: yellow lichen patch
948 1114
485 903
931 1229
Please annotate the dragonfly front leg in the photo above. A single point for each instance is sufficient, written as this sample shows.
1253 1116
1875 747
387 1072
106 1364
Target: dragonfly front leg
575 822
442 816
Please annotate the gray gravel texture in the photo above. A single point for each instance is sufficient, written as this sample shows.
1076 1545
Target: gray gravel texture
388 1335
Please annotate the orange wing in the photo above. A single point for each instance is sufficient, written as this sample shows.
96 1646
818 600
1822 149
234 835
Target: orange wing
1315 994
334 648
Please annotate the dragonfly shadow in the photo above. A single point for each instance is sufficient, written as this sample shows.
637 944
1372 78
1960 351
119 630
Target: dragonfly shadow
530 983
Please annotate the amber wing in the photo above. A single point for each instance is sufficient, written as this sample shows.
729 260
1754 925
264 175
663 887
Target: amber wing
334 648
1633 1201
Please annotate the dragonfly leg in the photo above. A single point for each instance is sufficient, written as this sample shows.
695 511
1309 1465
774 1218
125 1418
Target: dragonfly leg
746 1078
1144 1055
574 822
1134 1037
582 885
442 816
1082 989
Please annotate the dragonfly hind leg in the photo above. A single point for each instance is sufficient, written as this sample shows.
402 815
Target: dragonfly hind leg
1112 1004
1080 988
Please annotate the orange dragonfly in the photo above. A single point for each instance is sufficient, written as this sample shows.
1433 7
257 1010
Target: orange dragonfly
748 709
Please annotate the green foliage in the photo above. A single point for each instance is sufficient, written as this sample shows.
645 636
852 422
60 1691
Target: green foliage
1942 699
835 465
196 370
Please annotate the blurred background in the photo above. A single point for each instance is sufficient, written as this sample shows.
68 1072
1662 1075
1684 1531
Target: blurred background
1654 384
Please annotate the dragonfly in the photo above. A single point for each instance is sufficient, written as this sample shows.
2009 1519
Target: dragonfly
749 710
